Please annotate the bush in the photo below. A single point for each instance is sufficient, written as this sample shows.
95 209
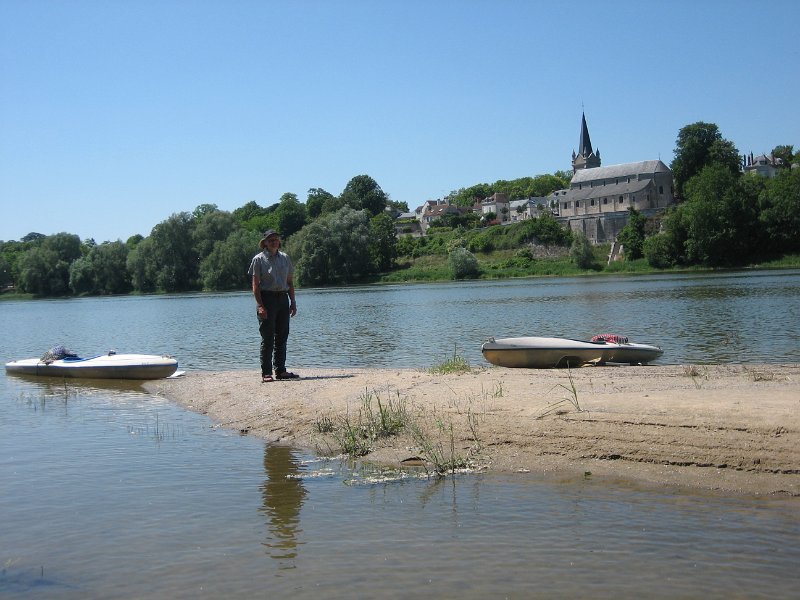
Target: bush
659 250
463 264
581 251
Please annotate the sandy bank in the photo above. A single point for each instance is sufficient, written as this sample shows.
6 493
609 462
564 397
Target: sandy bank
733 429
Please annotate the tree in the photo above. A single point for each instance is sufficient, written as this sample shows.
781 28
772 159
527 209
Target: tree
632 235
786 156
34 237
166 260
102 271
779 204
721 217
6 278
141 266
463 264
581 251
383 242
44 269
660 251
316 200
225 268
334 249
363 192
469 196
290 216
248 211
210 227
698 145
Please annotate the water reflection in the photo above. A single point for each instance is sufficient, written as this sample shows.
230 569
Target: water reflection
283 494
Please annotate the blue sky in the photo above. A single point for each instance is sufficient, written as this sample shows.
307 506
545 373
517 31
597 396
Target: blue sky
116 114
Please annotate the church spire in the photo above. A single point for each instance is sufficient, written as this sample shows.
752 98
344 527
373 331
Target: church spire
586 158
585 146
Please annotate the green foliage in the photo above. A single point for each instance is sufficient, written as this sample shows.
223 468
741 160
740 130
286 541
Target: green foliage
290 216
166 261
6 277
721 218
102 271
383 242
632 235
780 211
315 201
515 189
698 145
363 192
660 251
225 267
44 269
211 226
786 155
581 252
334 249
482 242
463 264
455 364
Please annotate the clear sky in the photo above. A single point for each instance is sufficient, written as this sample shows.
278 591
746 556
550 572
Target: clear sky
115 114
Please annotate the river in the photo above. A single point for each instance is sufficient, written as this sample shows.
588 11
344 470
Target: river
109 492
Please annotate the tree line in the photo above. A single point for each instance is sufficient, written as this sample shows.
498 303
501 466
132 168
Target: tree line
723 218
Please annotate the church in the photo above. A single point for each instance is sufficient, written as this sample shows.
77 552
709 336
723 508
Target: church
597 201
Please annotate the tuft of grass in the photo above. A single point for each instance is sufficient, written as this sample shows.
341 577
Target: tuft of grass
696 373
760 375
439 449
456 364
375 419
570 399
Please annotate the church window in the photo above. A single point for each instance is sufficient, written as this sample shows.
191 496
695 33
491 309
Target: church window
577 203
592 202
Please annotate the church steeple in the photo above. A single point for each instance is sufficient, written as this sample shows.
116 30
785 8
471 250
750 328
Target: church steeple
586 158
585 147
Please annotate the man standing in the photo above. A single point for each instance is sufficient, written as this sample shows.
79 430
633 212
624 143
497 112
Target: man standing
273 287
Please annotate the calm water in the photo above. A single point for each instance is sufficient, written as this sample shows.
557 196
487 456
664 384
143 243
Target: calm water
109 492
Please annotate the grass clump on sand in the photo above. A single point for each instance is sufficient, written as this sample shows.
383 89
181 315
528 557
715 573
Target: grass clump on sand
438 438
570 399
456 364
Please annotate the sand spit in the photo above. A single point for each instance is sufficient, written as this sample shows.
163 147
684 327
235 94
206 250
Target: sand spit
733 429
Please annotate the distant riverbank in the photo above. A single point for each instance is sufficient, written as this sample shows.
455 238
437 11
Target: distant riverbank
731 429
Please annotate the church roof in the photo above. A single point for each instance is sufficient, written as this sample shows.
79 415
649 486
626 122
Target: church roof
606 191
615 171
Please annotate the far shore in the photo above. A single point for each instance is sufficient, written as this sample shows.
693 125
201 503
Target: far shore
729 429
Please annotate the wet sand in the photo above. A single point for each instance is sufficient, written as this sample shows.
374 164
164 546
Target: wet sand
732 429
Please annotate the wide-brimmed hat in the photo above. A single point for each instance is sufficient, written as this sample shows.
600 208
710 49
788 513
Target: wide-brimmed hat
264 237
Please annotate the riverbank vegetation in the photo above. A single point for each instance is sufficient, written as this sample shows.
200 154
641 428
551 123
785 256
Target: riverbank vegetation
724 219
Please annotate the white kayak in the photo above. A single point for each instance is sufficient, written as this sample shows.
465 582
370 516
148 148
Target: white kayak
547 352
106 366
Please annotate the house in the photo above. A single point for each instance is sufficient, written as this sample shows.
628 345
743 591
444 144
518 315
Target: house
434 209
529 208
498 205
766 166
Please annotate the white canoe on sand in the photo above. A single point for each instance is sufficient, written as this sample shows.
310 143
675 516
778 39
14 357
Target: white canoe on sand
106 366
547 352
